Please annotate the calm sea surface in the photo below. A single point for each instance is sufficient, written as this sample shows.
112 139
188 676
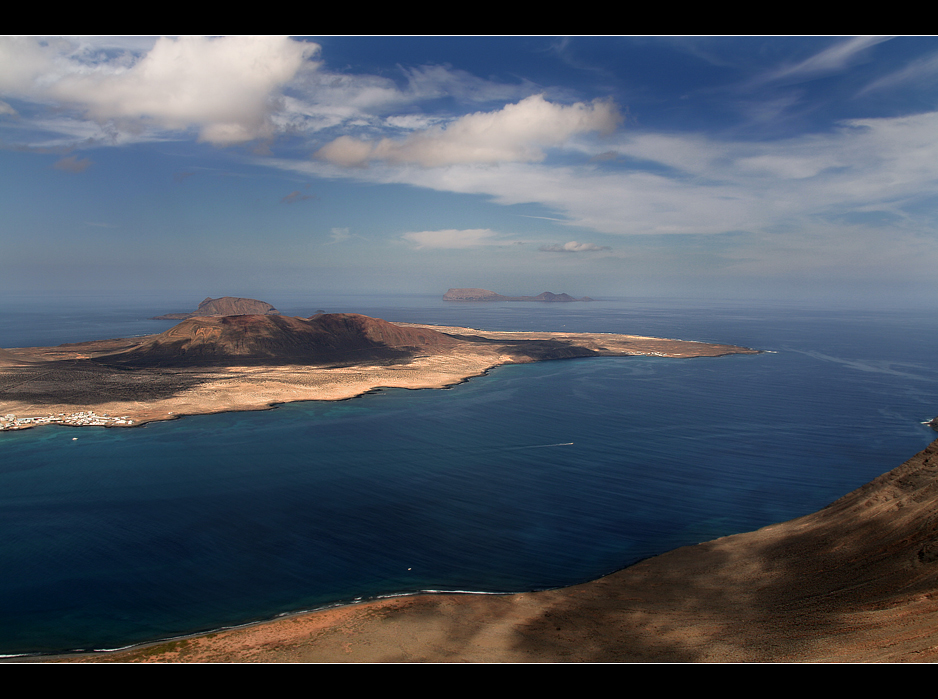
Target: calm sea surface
532 477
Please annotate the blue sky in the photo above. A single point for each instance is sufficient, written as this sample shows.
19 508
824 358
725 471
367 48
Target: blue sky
799 168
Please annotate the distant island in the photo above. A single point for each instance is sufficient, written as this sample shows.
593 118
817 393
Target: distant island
486 295
224 306
212 363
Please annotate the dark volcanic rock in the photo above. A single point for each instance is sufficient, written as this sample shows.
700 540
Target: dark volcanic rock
225 306
541 350
274 339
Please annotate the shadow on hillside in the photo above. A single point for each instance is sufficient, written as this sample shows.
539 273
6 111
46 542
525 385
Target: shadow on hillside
762 596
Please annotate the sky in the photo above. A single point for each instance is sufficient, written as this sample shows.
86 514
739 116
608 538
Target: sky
777 168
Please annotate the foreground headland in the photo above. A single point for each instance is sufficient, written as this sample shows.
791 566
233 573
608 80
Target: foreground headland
252 362
854 582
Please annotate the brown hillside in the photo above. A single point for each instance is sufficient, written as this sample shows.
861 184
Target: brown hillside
275 339
354 325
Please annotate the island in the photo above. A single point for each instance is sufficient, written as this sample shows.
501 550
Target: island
209 364
486 295
224 306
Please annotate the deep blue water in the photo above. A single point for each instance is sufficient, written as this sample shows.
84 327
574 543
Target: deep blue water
129 535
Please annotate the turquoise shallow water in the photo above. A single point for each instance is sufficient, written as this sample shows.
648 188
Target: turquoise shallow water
532 477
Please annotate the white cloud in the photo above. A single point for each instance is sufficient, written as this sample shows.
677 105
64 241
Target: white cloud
412 122
574 246
442 81
687 152
340 234
24 60
226 87
454 239
515 133
324 99
788 167
709 186
347 152
347 96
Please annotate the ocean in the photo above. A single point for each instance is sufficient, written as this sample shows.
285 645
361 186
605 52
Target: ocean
531 477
